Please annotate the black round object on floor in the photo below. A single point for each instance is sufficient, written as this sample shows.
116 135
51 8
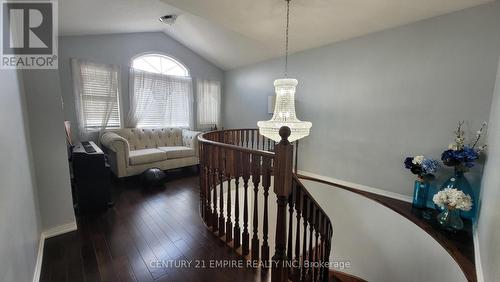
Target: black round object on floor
153 177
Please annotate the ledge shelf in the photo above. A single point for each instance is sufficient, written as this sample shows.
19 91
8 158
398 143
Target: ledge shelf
460 244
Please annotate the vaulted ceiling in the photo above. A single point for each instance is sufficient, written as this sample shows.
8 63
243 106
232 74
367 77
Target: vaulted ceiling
234 33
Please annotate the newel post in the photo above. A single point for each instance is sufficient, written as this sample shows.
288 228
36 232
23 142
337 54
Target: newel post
282 187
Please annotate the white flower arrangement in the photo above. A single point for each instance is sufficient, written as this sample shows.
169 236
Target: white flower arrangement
453 199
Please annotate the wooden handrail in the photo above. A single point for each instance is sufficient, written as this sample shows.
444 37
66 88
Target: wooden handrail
244 159
202 138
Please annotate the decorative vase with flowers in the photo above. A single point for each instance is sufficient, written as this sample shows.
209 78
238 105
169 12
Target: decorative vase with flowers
462 157
452 201
424 169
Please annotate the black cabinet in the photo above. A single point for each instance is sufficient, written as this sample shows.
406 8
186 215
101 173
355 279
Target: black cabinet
91 178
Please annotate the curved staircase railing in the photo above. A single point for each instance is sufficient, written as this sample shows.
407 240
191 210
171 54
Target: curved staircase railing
237 160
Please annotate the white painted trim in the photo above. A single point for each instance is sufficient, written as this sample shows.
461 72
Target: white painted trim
52 232
39 257
477 255
58 230
361 187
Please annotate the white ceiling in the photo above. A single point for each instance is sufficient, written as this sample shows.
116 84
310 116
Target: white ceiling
234 33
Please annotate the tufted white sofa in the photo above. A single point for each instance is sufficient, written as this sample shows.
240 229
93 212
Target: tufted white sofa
133 150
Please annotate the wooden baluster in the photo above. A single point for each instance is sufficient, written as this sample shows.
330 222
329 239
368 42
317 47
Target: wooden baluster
296 156
229 174
316 248
305 211
298 209
211 205
222 220
266 183
282 188
202 183
311 237
322 245
256 165
329 233
247 137
237 171
290 226
203 180
215 225
245 237
206 185
258 139
253 138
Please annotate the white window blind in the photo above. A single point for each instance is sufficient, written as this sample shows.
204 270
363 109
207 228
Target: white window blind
159 100
209 100
97 96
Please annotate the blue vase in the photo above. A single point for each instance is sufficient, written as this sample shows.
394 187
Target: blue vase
459 181
420 193
450 220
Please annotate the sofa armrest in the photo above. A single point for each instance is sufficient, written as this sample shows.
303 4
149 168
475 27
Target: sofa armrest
120 150
115 142
190 139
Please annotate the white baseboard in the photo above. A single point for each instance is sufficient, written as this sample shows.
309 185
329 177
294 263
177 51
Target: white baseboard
359 186
52 232
477 255
58 230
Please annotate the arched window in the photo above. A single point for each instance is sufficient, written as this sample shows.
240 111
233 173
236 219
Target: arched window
158 63
162 92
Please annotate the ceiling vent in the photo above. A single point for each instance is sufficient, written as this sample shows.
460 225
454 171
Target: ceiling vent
168 19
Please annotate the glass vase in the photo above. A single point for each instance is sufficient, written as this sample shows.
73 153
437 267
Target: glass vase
459 181
420 193
450 220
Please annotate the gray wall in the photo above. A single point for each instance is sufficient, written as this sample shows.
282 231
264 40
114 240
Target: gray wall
489 221
48 141
119 49
374 99
19 217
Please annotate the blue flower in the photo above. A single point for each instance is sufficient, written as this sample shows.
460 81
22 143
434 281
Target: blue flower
465 156
430 166
409 162
470 154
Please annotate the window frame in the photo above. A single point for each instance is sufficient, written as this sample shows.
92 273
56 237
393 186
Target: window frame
162 54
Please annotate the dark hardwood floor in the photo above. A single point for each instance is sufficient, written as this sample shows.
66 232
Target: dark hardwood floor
137 239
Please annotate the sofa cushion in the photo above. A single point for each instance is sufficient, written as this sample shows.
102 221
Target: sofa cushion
178 152
145 156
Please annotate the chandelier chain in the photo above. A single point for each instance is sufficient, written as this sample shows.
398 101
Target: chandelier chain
286 35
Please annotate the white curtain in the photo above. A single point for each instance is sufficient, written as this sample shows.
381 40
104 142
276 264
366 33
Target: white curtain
209 103
158 100
97 91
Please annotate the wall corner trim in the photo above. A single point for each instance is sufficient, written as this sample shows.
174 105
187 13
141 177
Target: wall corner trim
51 232
477 255
361 187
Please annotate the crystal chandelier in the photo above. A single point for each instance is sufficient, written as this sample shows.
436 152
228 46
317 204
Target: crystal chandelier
284 110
